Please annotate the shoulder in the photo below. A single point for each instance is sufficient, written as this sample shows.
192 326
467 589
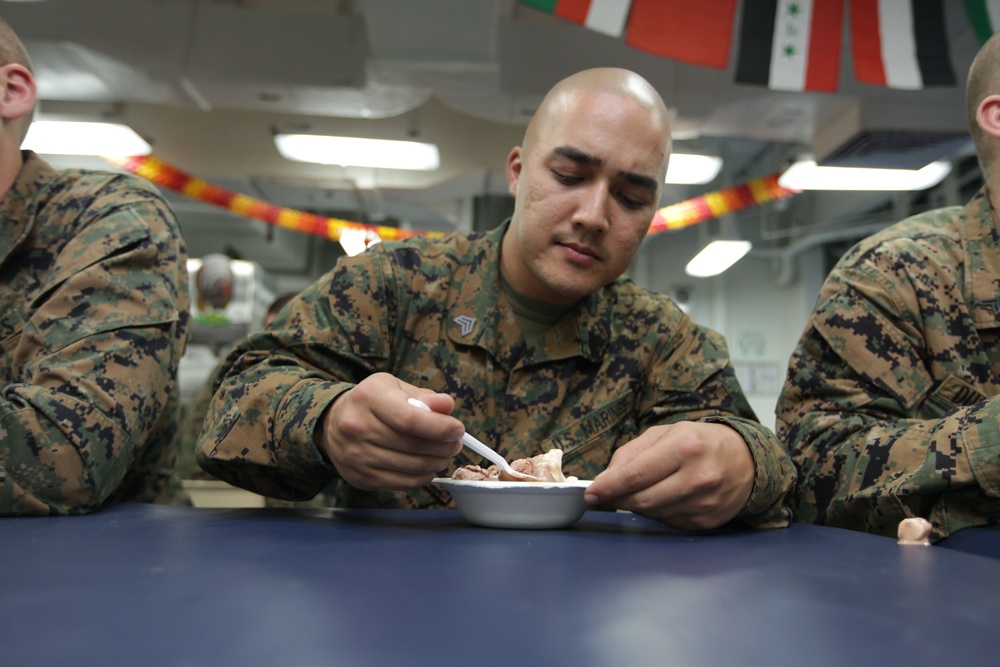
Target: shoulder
431 257
930 233
88 199
631 303
639 314
917 248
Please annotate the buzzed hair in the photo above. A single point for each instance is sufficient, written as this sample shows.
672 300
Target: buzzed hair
983 81
11 48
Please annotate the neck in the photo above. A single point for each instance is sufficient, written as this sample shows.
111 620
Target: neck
10 165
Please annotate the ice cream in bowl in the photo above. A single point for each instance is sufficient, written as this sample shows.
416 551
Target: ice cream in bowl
489 497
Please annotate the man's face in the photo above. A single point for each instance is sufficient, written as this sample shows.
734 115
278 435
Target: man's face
586 189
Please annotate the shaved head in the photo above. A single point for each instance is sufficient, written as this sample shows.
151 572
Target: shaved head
612 81
983 81
11 48
12 52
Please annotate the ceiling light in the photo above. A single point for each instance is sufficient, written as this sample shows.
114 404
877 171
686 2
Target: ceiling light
355 152
57 137
807 175
689 169
716 257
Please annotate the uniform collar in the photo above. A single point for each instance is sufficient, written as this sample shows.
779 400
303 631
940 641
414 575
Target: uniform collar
16 208
480 314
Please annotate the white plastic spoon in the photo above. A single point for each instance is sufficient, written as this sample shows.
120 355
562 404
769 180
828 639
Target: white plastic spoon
482 449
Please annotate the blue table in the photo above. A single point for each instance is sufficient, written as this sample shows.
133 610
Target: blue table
145 585
983 541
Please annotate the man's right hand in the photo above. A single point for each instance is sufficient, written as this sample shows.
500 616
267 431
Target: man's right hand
376 440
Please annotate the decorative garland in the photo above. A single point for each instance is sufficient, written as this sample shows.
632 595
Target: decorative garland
721 202
669 218
155 170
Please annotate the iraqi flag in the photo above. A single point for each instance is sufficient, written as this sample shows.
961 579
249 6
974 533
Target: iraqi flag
791 44
900 44
604 16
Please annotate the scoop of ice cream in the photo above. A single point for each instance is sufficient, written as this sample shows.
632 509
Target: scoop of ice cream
916 530
545 467
477 473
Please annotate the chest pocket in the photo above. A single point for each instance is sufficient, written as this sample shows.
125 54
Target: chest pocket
951 393
588 444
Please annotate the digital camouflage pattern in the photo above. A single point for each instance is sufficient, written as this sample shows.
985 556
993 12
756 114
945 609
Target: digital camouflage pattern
93 321
890 407
432 313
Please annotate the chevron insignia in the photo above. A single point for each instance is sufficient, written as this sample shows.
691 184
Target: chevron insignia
465 324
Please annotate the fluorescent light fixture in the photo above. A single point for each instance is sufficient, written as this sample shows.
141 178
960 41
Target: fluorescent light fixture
807 175
690 169
58 137
355 152
716 257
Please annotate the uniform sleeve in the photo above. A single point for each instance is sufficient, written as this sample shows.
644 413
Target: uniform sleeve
854 413
276 386
696 381
95 365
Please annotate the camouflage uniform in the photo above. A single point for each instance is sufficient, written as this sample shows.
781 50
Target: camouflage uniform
890 406
431 313
93 320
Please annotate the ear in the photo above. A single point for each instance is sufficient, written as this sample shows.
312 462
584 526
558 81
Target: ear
18 91
988 115
514 170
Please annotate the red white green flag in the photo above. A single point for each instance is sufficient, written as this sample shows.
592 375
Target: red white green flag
605 16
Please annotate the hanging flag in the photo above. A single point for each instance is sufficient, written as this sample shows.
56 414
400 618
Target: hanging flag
984 15
698 33
605 16
900 43
791 44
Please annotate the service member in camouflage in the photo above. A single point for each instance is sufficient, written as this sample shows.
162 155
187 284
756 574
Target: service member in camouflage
891 406
93 320
527 336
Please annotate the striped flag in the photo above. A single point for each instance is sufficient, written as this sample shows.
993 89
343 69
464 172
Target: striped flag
605 16
900 43
984 15
791 44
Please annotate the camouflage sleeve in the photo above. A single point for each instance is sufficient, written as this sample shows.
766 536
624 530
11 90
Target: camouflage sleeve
697 382
96 363
270 400
854 410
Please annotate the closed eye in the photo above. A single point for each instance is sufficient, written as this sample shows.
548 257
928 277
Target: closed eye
566 179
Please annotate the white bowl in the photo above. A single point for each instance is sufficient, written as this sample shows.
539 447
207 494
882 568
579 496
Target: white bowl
517 504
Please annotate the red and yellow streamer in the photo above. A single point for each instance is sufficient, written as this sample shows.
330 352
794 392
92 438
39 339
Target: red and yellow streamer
721 202
155 170
670 218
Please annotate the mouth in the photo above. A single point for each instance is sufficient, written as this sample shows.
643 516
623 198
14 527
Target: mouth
580 251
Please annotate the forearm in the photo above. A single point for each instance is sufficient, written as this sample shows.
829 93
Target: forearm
709 391
865 472
71 429
259 432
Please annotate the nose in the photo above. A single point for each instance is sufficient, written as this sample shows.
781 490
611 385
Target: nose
592 209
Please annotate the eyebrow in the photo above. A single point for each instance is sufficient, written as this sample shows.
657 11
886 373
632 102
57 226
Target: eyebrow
580 157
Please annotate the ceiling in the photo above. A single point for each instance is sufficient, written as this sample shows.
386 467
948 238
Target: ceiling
208 82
